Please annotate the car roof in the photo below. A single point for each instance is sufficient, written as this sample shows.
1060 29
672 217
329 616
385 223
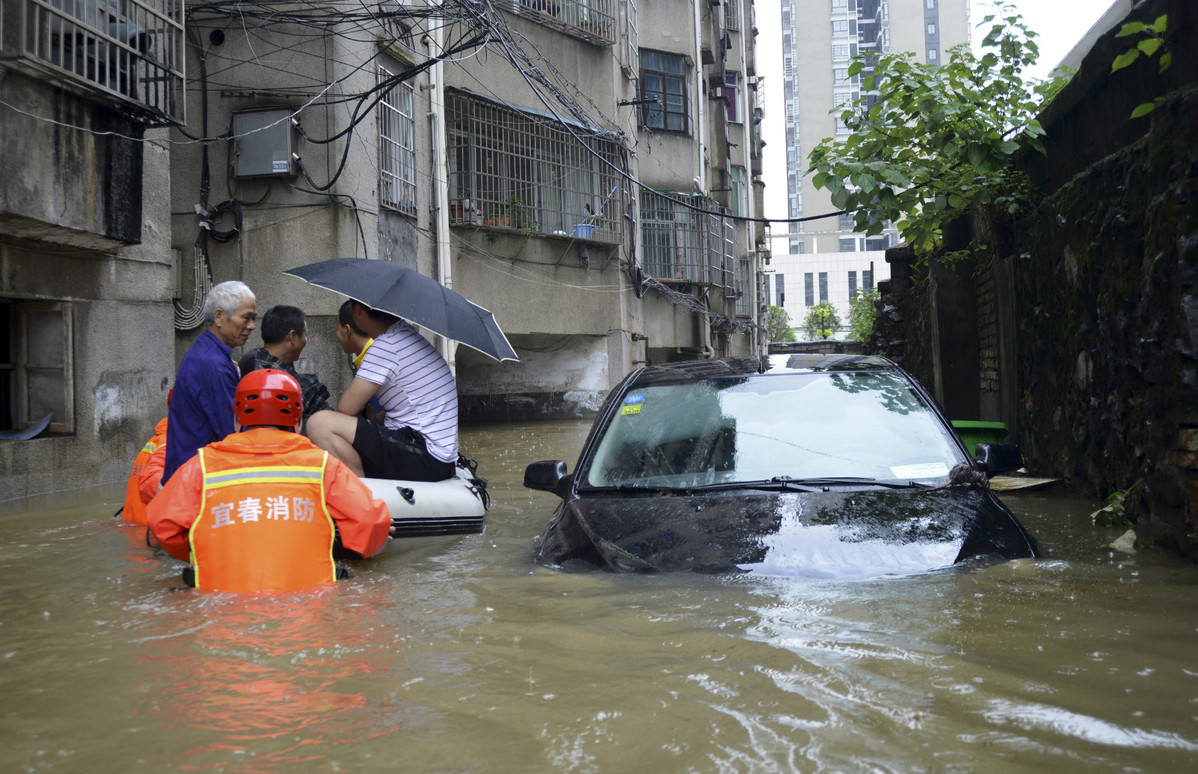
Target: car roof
702 370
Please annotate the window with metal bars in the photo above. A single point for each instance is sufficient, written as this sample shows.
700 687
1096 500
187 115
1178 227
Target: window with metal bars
732 15
684 244
130 51
665 104
632 56
744 307
397 147
527 172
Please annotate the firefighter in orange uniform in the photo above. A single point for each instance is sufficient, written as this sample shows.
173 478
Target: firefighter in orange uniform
150 477
255 511
135 502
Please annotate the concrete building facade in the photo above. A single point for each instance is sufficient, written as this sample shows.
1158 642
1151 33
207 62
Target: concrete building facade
585 169
576 167
85 258
819 40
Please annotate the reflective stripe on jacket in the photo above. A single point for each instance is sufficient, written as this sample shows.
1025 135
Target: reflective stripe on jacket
265 527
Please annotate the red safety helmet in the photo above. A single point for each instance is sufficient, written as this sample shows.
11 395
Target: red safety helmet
268 396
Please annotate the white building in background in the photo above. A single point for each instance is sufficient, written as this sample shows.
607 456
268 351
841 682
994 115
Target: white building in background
824 259
798 282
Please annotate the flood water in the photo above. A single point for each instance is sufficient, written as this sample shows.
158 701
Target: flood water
463 656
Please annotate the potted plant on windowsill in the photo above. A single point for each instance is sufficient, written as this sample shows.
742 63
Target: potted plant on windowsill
598 27
509 213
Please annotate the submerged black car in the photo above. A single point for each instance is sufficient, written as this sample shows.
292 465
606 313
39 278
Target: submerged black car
811 465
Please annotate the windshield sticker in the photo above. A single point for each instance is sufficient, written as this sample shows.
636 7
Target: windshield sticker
638 398
925 470
634 409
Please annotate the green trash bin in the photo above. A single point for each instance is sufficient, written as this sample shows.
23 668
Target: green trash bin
974 431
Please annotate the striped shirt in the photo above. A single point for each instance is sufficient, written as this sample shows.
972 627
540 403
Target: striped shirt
417 388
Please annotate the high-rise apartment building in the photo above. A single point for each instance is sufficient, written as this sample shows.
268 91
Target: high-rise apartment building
824 259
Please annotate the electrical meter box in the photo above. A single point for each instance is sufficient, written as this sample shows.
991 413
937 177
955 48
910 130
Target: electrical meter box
264 142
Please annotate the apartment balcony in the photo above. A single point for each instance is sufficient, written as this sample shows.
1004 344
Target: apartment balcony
593 21
128 53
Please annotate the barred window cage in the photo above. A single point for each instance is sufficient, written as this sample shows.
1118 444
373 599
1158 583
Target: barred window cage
129 52
591 20
632 57
732 15
685 244
510 169
397 147
744 299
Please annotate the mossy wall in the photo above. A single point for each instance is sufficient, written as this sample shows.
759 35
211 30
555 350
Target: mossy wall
1107 325
1085 311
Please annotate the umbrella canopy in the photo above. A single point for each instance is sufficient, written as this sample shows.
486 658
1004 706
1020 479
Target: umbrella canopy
416 298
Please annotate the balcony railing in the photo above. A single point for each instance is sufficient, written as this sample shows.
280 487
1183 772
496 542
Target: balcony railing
125 51
591 20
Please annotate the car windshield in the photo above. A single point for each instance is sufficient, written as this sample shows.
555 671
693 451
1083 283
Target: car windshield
791 427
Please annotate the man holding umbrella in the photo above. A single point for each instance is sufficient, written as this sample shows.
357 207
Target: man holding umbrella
419 438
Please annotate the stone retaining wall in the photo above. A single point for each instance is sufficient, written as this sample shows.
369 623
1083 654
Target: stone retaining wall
1082 317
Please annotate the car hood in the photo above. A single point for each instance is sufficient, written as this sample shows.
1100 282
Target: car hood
833 534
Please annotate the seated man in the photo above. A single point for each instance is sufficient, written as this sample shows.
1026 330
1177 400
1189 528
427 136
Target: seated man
418 440
285 334
354 342
255 511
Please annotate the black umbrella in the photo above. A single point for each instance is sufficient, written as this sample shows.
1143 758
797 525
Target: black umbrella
416 298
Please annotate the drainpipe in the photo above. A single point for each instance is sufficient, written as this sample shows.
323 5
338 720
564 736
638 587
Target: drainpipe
700 100
748 106
440 176
701 146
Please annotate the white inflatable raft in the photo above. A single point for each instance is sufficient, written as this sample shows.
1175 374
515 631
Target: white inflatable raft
427 509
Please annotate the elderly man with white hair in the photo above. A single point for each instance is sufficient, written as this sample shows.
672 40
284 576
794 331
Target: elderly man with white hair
201 410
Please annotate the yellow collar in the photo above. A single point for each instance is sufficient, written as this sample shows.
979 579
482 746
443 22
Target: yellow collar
358 358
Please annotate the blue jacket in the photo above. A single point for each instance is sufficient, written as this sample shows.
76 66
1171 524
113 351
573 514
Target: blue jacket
201 409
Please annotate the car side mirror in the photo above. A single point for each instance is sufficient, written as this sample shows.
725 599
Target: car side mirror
548 476
996 458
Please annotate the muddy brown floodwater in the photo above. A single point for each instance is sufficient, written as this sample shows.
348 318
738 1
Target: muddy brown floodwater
463 656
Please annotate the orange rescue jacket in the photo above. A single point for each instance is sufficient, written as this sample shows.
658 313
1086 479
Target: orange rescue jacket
151 474
255 512
135 510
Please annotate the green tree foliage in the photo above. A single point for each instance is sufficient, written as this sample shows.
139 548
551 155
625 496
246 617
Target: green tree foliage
821 322
777 324
862 311
927 143
1152 40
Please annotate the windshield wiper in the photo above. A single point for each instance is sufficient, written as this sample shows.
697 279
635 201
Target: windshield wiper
777 483
834 480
